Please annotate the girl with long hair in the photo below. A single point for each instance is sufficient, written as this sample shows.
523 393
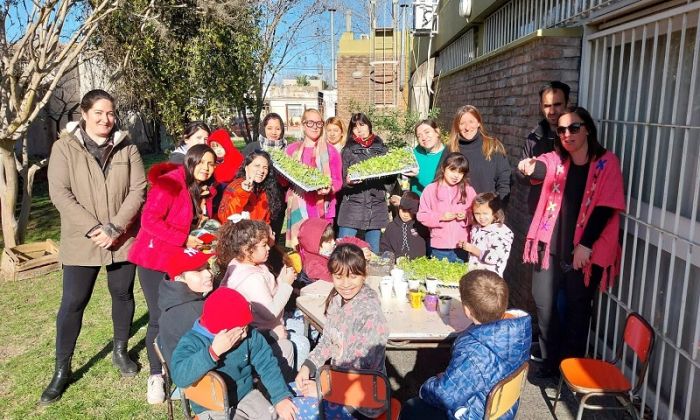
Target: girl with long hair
445 208
180 200
195 132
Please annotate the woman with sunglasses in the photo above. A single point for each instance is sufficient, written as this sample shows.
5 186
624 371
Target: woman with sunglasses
489 170
312 151
574 233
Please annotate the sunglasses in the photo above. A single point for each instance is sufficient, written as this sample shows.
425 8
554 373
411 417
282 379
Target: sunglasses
573 128
312 124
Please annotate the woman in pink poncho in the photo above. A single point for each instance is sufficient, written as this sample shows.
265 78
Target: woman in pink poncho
574 235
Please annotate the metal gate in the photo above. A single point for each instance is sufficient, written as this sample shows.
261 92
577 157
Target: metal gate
640 81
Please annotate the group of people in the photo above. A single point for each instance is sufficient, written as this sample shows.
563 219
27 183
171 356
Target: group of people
236 315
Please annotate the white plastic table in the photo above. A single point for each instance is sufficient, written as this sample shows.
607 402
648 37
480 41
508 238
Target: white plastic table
409 328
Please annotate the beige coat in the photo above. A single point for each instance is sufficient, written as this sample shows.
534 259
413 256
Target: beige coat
86 197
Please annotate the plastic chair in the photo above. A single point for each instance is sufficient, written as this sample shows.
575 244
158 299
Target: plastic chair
166 376
506 393
356 388
596 378
209 392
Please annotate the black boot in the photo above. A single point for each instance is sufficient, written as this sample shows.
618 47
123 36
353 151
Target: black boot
121 359
61 377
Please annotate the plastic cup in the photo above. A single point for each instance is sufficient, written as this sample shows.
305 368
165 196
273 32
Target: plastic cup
445 304
397 274
431 302
415 298
385 287
400 289
431 285
413 284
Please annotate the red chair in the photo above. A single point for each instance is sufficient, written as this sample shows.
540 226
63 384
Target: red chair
360 388
597 378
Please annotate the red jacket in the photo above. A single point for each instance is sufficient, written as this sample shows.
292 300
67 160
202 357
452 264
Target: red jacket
166 217
236 200
227 166
315 265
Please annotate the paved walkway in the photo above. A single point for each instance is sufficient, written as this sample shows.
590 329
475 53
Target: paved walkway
407 370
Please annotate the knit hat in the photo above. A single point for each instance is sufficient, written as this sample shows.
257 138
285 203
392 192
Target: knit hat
188 259
225 309
410 205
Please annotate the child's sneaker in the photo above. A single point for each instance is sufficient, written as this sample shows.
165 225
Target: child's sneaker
156 389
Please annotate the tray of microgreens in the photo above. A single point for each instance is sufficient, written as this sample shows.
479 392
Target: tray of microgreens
305 177
394 162
447 273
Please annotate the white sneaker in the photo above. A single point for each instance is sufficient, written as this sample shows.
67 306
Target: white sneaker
156 389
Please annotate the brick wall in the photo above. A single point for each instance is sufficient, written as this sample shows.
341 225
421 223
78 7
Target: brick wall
505 90
351 89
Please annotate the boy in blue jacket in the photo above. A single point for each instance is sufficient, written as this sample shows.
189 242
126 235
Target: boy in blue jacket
493 347
220 340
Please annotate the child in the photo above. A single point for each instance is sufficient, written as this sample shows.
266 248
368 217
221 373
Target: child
404 237
364 206
181 299
489 238
493 347
445 208
316 243
254 190
221 340
355 332
248 243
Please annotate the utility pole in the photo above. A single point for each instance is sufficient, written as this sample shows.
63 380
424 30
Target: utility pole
332 9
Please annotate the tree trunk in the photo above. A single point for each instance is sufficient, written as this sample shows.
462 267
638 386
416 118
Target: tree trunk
8 193
27 194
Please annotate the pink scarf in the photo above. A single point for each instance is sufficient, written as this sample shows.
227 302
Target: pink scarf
604 187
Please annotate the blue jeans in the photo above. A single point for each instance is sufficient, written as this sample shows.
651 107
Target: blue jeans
371 236
452 255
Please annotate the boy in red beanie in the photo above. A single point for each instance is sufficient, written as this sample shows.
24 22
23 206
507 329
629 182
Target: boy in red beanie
220 340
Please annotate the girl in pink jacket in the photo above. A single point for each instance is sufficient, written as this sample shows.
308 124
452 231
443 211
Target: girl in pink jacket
247 244
445 208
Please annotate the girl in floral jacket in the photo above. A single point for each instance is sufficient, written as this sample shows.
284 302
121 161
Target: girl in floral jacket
355 332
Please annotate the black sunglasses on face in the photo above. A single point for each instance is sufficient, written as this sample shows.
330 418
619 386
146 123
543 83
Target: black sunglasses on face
573 128
312 124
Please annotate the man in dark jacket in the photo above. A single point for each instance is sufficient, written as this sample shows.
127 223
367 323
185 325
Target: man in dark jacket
404 236
181 299
554 99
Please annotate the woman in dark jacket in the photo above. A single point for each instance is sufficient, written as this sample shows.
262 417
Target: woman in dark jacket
364 206
97 183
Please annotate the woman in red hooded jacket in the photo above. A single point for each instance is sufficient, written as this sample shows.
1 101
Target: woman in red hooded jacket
179 201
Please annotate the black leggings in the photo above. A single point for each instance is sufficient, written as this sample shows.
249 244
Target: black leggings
562 338
150 283
78 284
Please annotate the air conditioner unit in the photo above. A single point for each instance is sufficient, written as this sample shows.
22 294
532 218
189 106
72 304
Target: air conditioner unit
425 17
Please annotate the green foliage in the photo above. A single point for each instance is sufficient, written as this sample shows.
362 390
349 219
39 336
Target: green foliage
306 177
193 62
395 127
302 80
395 162
423 267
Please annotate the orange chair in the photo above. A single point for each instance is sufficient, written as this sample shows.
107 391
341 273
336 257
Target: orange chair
357 388
506 393
595 378
209 392
166 376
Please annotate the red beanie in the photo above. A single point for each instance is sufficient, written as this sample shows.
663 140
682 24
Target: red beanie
225 309
186 259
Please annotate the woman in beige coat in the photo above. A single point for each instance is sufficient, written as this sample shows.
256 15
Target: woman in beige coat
97 183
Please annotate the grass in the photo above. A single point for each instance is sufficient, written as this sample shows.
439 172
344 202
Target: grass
27 340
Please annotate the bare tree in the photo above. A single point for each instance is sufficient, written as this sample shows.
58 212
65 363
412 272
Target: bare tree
288 30
34 54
